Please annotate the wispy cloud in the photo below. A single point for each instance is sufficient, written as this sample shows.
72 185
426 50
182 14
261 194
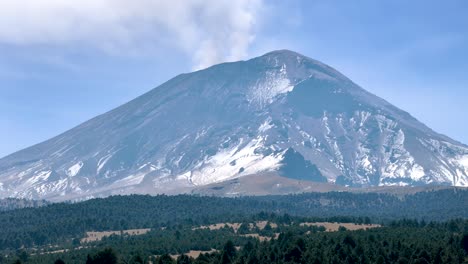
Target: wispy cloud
210 31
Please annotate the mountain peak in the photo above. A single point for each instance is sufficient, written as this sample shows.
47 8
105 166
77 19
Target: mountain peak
300 67
281 113
285 53
287 57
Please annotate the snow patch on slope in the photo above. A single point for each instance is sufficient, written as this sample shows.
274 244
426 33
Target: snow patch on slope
399 162
55 186
453 161
234 162
103 162
463 161
265 126
130 180
395 164
275 83
332 144
75 169
41 176
407 169
461 178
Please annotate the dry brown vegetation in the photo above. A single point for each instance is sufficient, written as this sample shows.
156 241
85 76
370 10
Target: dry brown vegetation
333 227
235 226
330 227
261 224
261 238
193 253
97 236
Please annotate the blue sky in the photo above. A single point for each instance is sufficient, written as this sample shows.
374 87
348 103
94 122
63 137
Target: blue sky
62 63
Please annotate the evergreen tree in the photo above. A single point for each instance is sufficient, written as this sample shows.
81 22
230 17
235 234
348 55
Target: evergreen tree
106 256
184 259
165 259
225 259
59 261
137 260
229 250
464 243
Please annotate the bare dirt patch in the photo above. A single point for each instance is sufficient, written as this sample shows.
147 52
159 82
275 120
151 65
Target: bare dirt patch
261 238
333 227
235 226
261 224
219 226
98 236
195 253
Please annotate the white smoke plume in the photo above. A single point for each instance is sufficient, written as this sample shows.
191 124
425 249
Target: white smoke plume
211 31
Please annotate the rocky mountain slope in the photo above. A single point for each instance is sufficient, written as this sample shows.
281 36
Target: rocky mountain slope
281 113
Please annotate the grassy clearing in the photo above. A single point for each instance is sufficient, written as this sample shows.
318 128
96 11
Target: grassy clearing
98 236
333 227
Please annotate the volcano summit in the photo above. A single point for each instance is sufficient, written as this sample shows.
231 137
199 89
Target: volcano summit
280 118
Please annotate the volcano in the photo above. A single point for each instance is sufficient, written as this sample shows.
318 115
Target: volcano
280 118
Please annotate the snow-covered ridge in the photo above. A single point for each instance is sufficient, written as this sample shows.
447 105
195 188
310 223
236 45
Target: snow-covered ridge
272 85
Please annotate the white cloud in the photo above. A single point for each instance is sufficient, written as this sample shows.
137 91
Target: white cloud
211 31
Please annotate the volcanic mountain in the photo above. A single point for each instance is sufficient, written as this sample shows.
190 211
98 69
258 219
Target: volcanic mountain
280 118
